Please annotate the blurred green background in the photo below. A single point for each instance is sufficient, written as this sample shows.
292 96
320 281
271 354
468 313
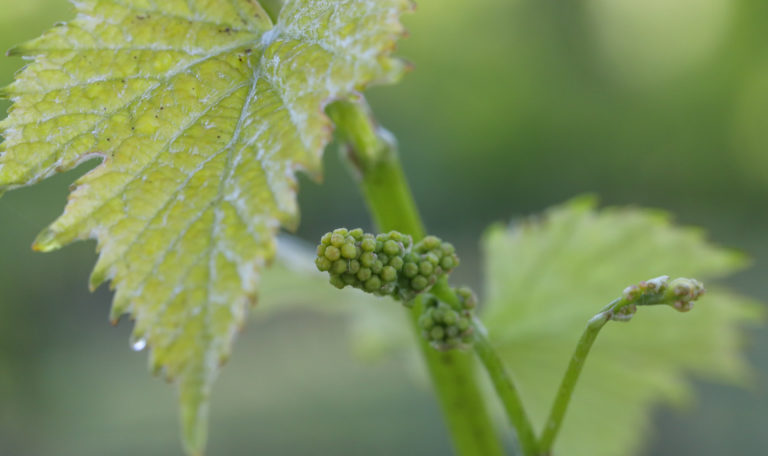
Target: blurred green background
514 105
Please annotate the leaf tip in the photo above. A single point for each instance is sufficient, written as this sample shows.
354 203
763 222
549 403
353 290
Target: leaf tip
98 276
119 307
739 259
492 231
13 52
46 241
19 50
407 65
586 202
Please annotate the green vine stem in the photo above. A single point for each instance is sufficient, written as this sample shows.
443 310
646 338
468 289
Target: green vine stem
568 383
505 389
372 152
678 293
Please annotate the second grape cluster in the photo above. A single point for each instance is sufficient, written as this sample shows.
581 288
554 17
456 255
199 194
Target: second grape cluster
385 264
447 326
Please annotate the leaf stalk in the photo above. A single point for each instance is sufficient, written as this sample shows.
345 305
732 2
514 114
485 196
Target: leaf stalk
505 389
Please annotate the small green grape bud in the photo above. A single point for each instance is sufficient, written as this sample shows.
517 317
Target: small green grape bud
410 269
685 291
426 321
388 274
337 239
451 331
354 266
447 248
431 242
391 248
419 283
357 233
368 244
397 263
372 284
364 274
349 279
686 288
337 282
383 257
450 317
463 324
426 268
464 292
447 263
332 253
467 297
624 313
632 292
377 266
367 259
326 239
437 333
657 284
432 258
339 267
321 249
349 251
323 263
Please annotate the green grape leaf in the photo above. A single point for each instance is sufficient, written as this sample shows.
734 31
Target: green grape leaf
201 112
547 276
377 325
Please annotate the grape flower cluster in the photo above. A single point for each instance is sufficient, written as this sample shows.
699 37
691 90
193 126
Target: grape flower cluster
388 264
448 327
679 293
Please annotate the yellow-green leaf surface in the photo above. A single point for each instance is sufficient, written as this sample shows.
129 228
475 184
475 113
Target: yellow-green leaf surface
547 276
201 111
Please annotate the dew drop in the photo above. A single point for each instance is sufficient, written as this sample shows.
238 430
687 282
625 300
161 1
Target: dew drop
139 345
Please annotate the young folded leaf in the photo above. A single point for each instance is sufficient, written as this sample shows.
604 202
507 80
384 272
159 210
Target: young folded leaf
201 112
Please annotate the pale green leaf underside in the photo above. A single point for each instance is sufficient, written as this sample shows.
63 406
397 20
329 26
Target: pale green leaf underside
548 276
377 325
201 111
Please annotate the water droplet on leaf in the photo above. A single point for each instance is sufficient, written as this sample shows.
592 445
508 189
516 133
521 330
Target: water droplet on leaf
139 345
